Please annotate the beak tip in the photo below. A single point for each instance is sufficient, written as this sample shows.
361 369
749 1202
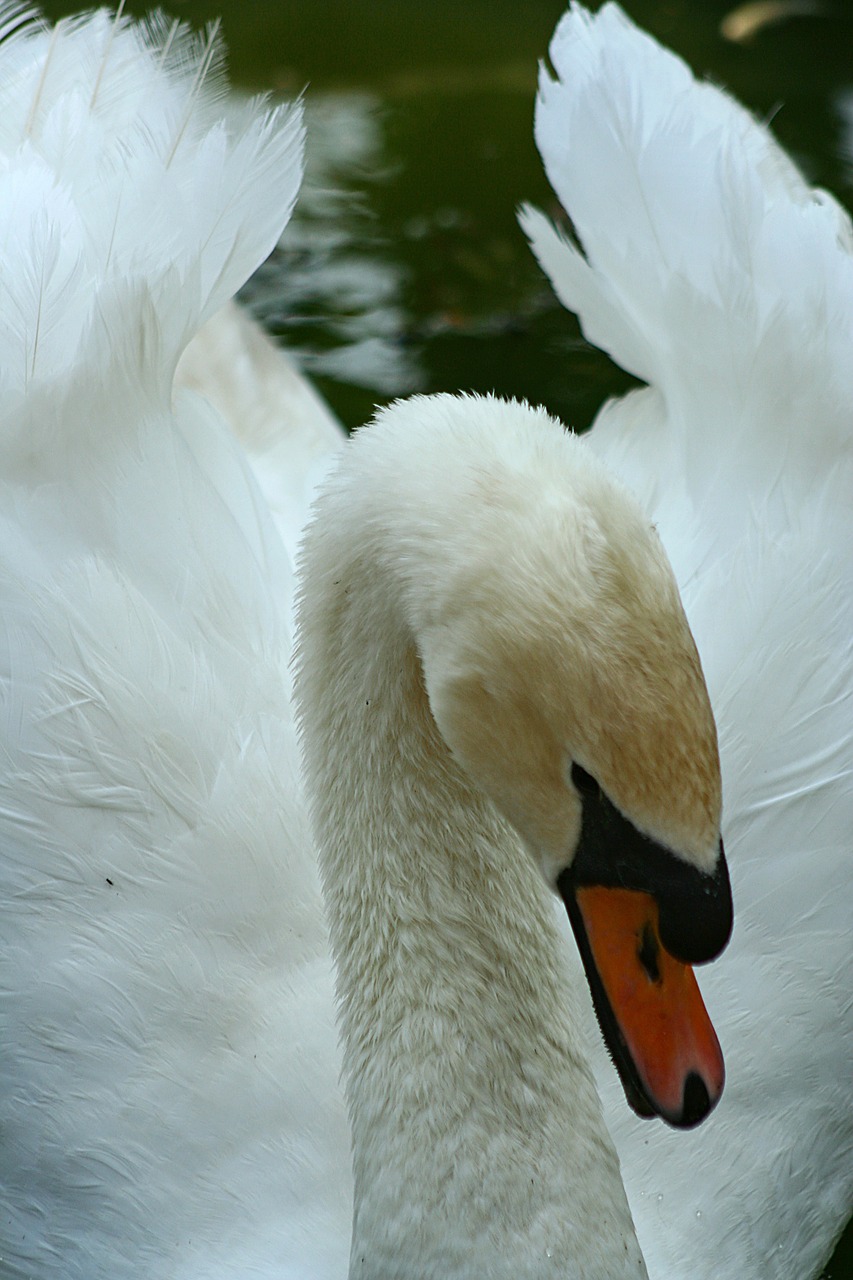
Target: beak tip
697 1102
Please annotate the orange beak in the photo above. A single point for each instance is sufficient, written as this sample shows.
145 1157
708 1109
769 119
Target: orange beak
655 1003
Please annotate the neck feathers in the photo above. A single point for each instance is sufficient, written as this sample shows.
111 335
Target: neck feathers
478 1140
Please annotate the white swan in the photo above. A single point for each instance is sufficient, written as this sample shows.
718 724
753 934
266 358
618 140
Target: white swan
486 614
776 1165
712 272
286 428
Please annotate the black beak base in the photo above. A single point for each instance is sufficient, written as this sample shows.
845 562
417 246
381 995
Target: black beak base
696 912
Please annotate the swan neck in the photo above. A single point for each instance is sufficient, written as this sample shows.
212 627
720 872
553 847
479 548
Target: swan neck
478 1142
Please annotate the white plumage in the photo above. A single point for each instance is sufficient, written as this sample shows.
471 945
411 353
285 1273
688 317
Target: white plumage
708 268
161 938
169 1101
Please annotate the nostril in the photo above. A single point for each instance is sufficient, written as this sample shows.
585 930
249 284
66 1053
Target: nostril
648 952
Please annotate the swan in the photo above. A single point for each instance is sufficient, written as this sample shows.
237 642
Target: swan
289 433
775 1187
500 701
702 263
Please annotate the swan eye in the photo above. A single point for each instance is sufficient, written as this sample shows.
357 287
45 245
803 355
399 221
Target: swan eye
584 782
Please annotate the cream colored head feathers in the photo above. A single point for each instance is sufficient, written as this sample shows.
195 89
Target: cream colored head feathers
546 616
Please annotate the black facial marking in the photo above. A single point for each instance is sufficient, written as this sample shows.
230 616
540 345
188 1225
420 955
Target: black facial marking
585 782
695 906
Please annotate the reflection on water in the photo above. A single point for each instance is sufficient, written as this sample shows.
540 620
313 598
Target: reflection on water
404 269
332 288
394 277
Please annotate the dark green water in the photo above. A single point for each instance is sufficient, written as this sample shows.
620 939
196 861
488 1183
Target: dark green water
404 268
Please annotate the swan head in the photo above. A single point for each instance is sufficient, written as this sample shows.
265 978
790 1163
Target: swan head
475 563
563 677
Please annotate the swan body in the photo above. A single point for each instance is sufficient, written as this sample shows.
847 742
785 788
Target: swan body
170 1101
707 267
287 430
